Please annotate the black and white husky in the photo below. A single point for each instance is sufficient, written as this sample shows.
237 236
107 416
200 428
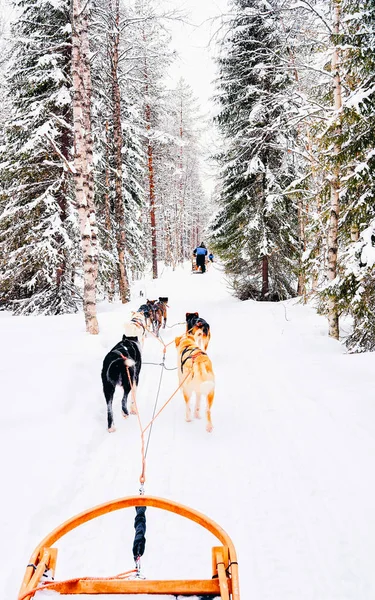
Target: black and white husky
122 363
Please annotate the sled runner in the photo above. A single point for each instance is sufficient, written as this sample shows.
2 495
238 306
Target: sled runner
224 582
194 267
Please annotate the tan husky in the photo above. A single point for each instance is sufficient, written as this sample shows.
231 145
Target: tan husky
195 371
136 327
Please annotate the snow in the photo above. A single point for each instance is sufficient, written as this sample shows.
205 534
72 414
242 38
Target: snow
287 471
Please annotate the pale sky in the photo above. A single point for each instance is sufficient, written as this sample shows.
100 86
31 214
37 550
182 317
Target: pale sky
196 49
195 45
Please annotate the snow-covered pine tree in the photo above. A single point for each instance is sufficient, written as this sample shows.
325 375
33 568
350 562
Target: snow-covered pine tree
355 287
152 40
107 35
255 230
38 224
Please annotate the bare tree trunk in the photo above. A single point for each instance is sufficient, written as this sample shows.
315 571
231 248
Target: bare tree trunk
62 202
316 273
181 190
118 141
333 317
83 176
301 286
151 183
107 209
265 278
151 176
167 240
265 270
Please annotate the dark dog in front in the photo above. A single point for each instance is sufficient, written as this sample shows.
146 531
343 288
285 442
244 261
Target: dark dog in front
145 309
122 363
199 329
158 312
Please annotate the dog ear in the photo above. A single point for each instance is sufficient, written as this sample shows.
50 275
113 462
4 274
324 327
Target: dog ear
177 340
124 338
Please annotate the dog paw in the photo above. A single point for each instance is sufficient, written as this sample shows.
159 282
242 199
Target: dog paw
125 415
112 429
209 427
188 419
133 410
197 414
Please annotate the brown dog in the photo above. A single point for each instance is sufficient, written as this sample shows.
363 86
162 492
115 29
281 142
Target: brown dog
156 316
195 371
163 303
199 329
158 313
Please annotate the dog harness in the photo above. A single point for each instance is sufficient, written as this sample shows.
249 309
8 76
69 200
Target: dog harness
191 350
137 322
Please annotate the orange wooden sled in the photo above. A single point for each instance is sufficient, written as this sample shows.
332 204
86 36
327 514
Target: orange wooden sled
224 582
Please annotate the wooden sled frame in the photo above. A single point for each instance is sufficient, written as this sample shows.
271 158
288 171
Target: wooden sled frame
224 580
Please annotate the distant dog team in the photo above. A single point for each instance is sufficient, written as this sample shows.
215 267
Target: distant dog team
122 365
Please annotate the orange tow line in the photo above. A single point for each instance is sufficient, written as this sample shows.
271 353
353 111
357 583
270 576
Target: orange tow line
48 584
142 477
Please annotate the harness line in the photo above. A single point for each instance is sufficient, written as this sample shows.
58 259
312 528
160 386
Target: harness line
160 339
142 477
140 519
156 402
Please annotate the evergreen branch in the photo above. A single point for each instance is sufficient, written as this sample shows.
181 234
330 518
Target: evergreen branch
70 167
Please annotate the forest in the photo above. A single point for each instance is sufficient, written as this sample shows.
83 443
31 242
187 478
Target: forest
102 159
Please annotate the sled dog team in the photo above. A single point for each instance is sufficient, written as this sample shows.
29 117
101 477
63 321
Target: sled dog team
122 365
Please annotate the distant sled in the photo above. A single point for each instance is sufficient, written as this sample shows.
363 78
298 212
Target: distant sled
40 571
194 267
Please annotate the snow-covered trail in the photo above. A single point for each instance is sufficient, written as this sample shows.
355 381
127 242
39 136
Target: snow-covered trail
287 471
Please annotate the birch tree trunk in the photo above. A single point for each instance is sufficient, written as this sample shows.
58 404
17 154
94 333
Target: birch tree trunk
83 175
89 144
118 141
333 317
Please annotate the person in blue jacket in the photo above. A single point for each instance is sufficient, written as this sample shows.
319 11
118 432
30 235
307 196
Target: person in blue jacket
201 252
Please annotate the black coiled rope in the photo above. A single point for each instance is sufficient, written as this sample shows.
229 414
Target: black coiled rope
140 530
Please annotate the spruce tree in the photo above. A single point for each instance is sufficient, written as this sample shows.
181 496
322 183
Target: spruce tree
255 230
355 285
38 224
